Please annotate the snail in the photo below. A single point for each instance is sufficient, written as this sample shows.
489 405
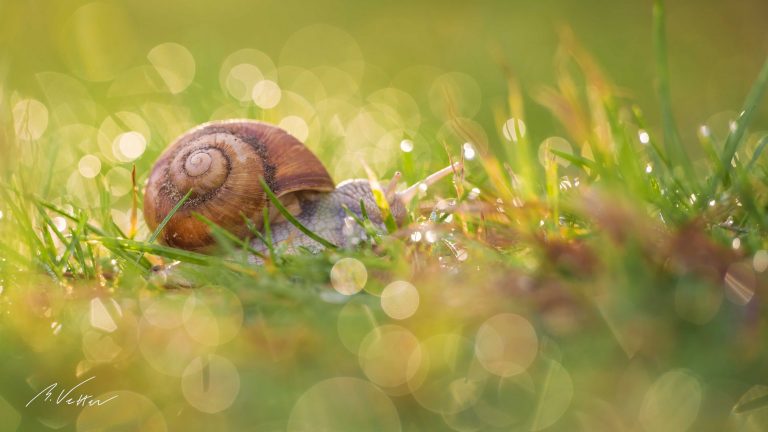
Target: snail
221 165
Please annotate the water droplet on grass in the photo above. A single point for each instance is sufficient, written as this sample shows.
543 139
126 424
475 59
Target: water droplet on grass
643 136
469 151
406 146
474 193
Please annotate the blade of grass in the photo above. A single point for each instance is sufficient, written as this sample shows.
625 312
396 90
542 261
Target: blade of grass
364 223
266 240
79 254
295 222
675 151
755 156
159 250
736 136
125 256
243 242
579 161
23 221
168 217
134 203
175 254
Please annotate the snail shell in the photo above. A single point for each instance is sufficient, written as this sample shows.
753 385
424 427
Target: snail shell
221 163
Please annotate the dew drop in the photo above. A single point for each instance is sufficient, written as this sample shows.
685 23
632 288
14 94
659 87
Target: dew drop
469 151
643 136
60 223
406 146
704 131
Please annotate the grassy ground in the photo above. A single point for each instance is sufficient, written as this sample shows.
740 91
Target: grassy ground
609 280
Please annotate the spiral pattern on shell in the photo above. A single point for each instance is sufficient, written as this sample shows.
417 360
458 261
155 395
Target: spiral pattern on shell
221 163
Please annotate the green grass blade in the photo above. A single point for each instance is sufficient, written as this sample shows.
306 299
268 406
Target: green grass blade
758 151
736 136
675 151
124 255
218 230
159 250
295 222
579 161
365 223
168 217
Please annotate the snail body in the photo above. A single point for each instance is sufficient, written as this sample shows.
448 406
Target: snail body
222 164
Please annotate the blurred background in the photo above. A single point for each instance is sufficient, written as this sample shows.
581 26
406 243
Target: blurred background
715 50
604 334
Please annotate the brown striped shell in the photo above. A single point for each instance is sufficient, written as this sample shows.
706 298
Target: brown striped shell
221 162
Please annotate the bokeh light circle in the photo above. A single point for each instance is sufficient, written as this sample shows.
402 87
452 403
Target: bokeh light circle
348 276
555 396
295 126
390 356
212 315
266 94
355 320
119 181
175 65
242 69
210 383
760 261
89 166
30 119
506 344
127 411
323 45
168 350
740 282
672 402
554 143
344 404
400 300
98 41
446 381
454 94
513 129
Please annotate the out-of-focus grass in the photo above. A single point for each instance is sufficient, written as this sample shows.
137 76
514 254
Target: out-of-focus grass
611 279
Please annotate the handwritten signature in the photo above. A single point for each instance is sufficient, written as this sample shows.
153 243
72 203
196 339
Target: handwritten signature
64 397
